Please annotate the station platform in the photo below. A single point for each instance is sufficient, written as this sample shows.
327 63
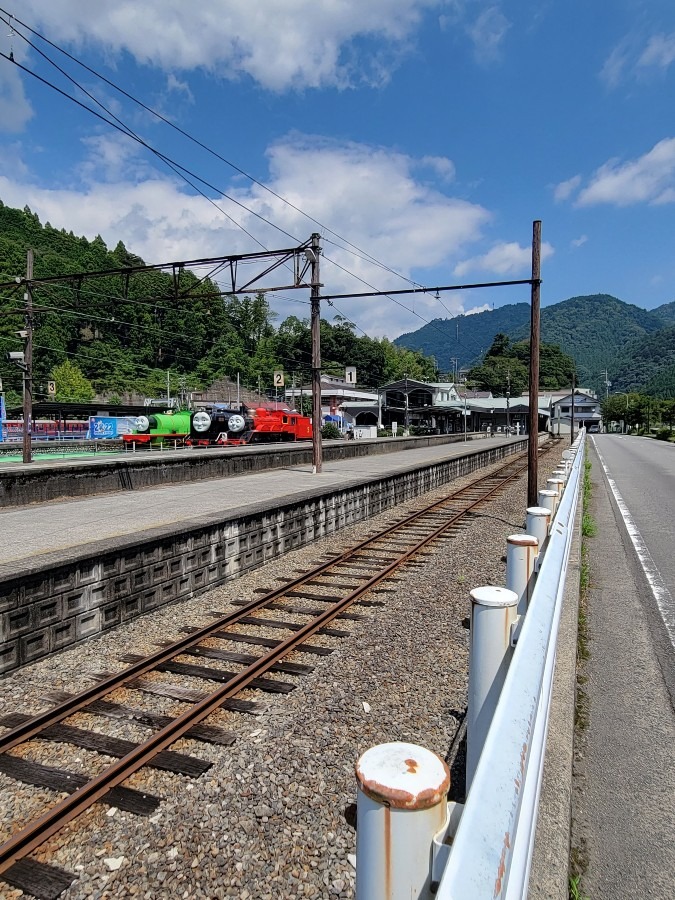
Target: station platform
72 568
66 524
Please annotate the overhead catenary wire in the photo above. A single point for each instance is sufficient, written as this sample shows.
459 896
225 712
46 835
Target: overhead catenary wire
179 169
365 255
183 172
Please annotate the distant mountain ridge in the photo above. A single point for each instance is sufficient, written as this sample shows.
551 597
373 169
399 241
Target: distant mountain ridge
601 333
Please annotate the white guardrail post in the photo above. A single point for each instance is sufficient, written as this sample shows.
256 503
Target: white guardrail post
493 615
538 523
409 840
521 552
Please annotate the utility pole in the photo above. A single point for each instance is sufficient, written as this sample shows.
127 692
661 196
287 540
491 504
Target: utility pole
28 365
312 255
574 387
405 428
508 400
454 360
533 426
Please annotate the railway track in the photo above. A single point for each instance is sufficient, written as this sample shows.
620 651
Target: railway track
317 597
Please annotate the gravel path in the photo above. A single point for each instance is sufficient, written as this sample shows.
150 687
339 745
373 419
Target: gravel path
271 817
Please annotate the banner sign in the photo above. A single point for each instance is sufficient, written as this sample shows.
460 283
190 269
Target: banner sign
105 427
102 427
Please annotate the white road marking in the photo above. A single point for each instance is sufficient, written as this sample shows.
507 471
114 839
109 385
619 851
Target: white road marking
662 595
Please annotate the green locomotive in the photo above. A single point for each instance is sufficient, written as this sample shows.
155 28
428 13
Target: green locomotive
169 429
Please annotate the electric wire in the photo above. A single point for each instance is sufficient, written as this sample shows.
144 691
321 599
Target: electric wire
116 123
202 145
179 169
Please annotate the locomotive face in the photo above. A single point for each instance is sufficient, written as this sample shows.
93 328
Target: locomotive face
236 423
201 421
142 424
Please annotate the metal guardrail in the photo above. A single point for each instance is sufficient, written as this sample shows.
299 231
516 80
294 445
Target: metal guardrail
409 839
492 848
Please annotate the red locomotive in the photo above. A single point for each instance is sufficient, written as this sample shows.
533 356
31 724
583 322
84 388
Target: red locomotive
233 426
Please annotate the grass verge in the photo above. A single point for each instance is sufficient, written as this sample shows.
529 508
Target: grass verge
578 857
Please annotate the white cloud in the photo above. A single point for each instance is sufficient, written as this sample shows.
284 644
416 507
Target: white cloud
15 110
565 189
505 258
648 179
280 44
637 57
659 52
441 166
369 195
180 87
485 307
580 241
615 65
487 33
111 157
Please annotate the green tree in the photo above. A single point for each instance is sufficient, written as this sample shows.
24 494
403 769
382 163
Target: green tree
71 383
668 413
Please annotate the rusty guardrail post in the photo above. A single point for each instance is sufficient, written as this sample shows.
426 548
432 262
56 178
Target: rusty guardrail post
401 805
493 613
548 499
558 485
521 553
538 524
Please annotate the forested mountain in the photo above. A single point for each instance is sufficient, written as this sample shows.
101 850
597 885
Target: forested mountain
505 369
596 331
647 365
128 336
666 313
465 338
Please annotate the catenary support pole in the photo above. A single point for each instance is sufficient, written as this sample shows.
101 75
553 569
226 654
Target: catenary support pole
28 365
574 387
313 256
533 442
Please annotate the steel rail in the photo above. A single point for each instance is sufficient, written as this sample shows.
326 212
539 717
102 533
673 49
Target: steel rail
22 733
53 820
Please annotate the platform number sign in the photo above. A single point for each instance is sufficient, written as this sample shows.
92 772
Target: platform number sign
350 375
51 388
278 378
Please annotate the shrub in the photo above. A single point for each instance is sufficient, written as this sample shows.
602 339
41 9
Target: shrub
330 431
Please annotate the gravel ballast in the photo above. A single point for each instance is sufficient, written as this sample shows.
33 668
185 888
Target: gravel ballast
272 816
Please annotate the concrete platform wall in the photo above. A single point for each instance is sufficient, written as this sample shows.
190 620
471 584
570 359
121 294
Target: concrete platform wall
57 602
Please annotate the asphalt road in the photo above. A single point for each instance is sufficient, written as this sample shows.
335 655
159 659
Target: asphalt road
624 785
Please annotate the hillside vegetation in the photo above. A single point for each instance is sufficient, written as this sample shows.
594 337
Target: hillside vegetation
600 332
125 338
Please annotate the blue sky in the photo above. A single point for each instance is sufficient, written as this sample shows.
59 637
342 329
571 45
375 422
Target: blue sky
427 133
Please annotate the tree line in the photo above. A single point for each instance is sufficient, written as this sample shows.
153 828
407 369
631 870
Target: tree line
639 412
116 337
505 368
